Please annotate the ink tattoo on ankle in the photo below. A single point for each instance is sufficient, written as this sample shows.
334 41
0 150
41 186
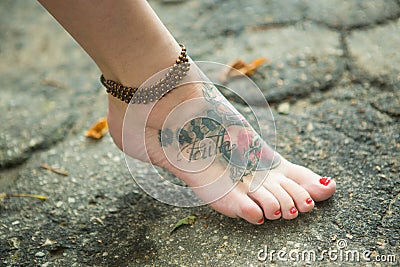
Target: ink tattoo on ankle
223 134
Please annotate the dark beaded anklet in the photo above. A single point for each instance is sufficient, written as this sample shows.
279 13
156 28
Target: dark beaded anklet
155 91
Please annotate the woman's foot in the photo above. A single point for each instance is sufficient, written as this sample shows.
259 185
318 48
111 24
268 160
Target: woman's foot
199 137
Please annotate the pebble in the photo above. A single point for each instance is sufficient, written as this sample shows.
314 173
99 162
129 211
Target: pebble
310 127
284 108
40 254
349 236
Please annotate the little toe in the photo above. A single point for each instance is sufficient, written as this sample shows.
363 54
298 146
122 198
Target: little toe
300 196
268 202
250 211
241 205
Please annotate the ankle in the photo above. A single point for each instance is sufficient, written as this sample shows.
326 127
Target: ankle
134 69
115 105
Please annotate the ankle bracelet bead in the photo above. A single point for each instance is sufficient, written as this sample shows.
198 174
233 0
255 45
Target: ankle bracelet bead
154 92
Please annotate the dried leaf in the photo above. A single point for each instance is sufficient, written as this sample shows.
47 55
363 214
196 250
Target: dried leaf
187 220
247 69
98 130
238 64
48 167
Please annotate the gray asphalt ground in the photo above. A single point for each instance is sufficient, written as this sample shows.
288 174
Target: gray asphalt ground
334 63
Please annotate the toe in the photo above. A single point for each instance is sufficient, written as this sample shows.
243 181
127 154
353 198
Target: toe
238 204
320 188
300 196
288 208
268 202
250 211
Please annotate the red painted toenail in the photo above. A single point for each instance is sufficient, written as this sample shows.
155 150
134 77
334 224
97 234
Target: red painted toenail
278 212
261 220
309 201
293 210
325 180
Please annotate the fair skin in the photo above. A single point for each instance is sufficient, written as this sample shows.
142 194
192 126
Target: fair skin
117 35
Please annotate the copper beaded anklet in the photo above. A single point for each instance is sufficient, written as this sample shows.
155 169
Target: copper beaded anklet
155 91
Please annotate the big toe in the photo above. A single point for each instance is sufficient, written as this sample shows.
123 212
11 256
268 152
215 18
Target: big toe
320 188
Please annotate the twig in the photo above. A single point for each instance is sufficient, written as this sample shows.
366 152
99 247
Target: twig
48 167
27 195
4 195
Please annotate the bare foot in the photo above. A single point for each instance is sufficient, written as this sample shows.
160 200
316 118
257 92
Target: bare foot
199 137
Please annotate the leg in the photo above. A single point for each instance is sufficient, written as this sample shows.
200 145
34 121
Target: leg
129 44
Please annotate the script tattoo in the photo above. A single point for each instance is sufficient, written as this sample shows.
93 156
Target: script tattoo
191 139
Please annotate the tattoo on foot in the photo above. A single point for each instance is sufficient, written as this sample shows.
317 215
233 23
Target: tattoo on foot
223 134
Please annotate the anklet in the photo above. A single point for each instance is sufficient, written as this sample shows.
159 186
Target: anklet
155 91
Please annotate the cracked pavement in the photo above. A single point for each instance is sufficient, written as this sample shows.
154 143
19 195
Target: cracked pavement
336 64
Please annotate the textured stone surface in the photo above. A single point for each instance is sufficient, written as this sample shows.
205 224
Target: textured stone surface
310 61
374 53
359 120
392 218
34 117
388 102
341 122
42 81
352 13
52 46
239 15
202 28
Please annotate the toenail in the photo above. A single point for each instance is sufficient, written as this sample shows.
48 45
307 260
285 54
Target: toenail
293 210
278 212
325 180
309 201
261 220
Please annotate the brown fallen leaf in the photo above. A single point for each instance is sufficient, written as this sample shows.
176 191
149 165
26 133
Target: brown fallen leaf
48 167
246 68
98 130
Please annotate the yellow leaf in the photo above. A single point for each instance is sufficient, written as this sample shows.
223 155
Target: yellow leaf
98 130
248 68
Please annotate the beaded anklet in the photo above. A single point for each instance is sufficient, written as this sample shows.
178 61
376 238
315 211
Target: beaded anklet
155 91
